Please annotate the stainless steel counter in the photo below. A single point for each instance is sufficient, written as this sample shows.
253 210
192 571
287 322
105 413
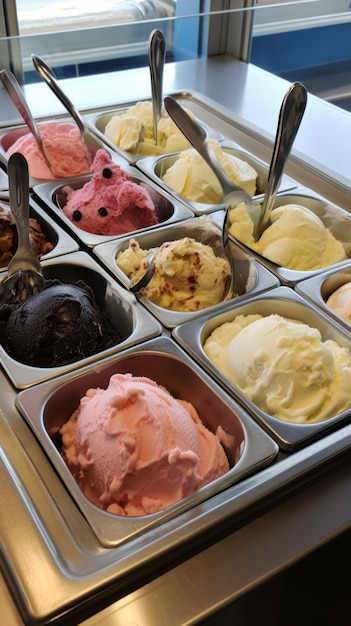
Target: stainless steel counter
220 577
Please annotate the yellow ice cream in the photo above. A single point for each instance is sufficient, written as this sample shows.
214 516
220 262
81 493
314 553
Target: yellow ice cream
340 302
132 131
296 239
188 275
192 178
283 366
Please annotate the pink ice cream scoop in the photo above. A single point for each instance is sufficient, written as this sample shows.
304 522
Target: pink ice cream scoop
110 203
134 449
64 146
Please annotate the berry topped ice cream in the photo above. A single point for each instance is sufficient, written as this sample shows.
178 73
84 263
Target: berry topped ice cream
134 449
283 366
57 326
188 276
132 131
110 203
64 146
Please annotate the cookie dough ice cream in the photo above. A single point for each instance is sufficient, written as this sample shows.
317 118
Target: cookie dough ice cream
134 449
132 131
296 238
188 276
283 366
193 179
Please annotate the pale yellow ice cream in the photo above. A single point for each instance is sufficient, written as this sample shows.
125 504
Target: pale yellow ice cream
340 302
296 239
283 366
193 179
132 131
188 275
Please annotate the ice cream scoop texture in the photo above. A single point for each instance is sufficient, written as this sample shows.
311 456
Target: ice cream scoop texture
134 449
110 203
64 146
188 276
283 366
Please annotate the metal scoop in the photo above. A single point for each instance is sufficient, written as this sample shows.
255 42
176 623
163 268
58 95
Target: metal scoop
16 94
290 116
48 76
156 54
146 277
24 277
196 135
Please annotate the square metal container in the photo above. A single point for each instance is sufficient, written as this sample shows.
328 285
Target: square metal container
9 135
99 120
336 219
47 406
156 167
318 289
132 320
167 208
63 243
287 303
249 276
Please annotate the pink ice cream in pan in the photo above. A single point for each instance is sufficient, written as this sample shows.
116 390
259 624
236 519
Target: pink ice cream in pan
110 202
66 150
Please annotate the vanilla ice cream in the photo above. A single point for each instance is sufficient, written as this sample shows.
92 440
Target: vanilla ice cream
134 449
132 131
193 179
283 366
340 302
188 276
296 239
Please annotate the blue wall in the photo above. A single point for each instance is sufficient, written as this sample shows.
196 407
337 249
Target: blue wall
300 49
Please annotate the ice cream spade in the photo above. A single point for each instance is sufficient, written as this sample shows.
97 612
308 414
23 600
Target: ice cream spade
290 116
47 74
146 277
196 135
24 277
156 54
16 94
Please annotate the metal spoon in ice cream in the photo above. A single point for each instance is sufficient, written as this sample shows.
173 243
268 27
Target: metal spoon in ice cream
24 277
16 94
146 277
48 76
290 116
156 54
196 135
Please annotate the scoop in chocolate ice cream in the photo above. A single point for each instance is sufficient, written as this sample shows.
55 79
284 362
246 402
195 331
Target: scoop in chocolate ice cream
59 325
8 236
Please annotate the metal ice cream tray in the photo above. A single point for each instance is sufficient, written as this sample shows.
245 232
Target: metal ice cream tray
133 322
250 277
156 167
167 208
287 303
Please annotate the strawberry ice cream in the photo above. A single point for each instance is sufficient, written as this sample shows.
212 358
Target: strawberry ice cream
134 449
110 203
64 146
